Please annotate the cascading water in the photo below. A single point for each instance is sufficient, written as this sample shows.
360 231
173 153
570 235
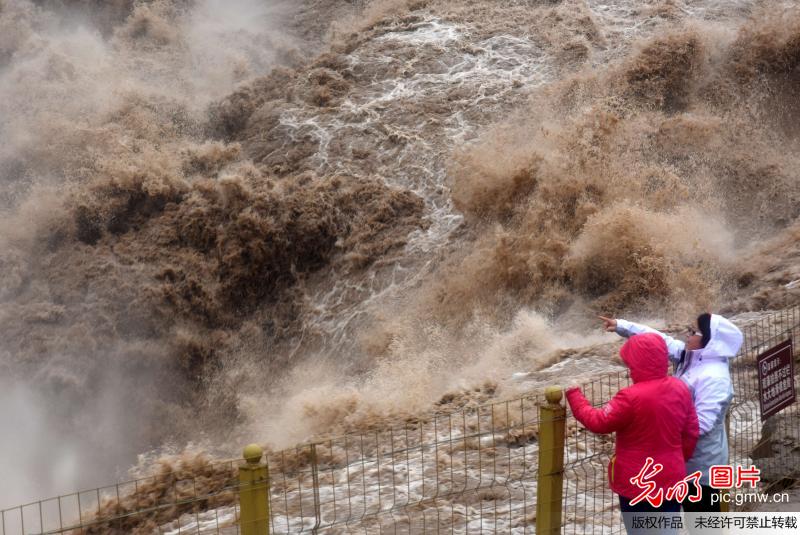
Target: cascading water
236 221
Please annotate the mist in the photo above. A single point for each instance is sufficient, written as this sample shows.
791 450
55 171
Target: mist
80 88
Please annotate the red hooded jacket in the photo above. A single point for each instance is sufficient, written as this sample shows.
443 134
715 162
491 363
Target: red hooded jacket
654 417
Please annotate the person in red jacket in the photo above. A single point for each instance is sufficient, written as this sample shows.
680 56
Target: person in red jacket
654 417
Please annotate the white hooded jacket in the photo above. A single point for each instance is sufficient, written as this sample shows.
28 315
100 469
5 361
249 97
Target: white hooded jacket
706 372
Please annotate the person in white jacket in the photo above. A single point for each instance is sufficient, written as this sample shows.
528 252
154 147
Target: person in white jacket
702 362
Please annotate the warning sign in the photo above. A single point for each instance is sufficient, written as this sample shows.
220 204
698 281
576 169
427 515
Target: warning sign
776 379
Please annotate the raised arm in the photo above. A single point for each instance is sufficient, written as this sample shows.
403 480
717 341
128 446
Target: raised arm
627 329
615 415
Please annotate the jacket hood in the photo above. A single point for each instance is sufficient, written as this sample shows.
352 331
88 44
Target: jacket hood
646 356
726 338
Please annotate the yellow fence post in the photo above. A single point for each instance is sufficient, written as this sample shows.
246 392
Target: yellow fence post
549 487
254 493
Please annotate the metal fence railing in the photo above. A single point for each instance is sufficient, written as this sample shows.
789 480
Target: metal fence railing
190 487
589 504
469 471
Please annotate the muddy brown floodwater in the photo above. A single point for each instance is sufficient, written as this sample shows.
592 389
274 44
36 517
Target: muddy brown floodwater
226 222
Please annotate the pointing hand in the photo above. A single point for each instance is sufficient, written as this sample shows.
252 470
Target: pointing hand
609 324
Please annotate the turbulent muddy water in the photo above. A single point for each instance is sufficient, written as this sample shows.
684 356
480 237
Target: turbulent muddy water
226 222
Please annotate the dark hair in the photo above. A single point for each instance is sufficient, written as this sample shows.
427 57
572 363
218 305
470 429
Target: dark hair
704 324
